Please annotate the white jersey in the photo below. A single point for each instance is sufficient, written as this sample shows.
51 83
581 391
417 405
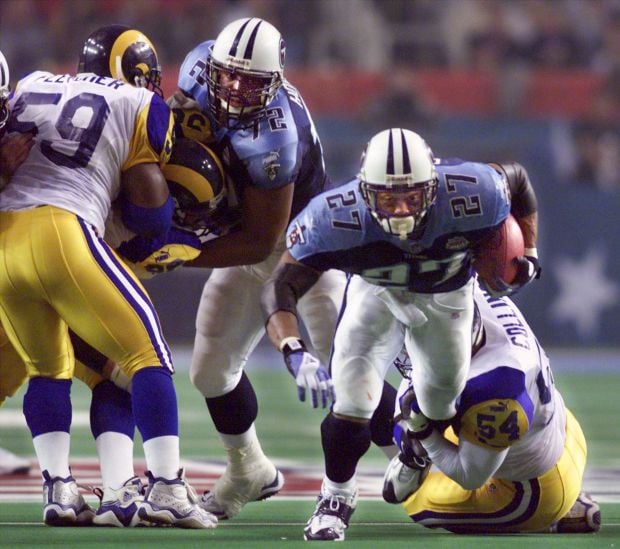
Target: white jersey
510 400
88 130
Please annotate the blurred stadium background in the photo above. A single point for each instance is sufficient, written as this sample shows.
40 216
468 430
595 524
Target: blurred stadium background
535 81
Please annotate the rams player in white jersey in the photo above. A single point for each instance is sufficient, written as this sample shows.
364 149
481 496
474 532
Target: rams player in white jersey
99 136
196 182
517 461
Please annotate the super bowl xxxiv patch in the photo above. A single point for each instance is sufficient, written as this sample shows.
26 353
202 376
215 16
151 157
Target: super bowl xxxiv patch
271 164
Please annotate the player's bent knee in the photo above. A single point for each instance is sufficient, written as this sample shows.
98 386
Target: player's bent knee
213 382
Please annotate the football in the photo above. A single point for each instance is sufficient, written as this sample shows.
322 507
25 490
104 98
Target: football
496 258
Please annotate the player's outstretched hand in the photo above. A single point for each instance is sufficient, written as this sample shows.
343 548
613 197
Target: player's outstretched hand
309 373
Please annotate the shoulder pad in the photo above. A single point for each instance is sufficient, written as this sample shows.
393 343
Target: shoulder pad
494 424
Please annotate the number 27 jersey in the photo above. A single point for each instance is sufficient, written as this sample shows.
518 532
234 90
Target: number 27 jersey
88 129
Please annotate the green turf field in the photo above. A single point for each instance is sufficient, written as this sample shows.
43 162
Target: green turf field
289 432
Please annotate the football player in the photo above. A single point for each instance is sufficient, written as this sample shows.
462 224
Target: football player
195 180
233 95
517 460
407 229
13 151
100 135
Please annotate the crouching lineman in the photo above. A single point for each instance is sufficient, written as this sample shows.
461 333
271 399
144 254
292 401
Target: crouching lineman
196 183
521 454
67 276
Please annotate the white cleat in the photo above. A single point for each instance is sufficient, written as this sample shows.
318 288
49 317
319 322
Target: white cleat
584 517
331 517
63 505
120 507
10 464
173 502
232 491
403 477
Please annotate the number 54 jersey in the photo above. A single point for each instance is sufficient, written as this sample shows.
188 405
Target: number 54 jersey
88 130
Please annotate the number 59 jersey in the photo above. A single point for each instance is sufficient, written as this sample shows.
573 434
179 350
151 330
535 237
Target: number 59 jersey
88 129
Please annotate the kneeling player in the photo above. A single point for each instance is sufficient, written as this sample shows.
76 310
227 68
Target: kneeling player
521 454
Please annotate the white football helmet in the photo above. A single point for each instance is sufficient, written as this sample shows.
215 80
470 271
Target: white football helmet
400 161
4 93
244 69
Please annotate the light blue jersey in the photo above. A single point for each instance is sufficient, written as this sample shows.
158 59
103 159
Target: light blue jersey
267 151
337 231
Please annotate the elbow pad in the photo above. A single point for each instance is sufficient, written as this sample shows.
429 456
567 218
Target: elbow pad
523 198
147 221
285 286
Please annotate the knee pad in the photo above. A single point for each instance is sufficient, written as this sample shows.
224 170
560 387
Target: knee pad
234 412
344 443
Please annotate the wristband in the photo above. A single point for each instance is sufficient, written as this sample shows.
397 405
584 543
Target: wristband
291 344
531 252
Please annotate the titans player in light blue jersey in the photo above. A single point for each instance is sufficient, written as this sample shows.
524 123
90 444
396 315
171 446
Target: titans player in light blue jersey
233 96
406 230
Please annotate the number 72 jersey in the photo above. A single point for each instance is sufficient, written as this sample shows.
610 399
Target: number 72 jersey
336 231
88 130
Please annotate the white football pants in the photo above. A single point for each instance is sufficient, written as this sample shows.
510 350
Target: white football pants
436 329
230 324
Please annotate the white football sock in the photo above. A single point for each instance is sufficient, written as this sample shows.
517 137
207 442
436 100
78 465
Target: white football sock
339 488
239 441
52 451
115 452
244 452
162 456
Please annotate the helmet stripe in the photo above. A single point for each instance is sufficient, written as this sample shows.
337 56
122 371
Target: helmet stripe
249 49
120 46
406 163
390 157
191 180
235 44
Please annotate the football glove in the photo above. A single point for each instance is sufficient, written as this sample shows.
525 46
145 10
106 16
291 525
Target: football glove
528 268
411 418
308 372
148 256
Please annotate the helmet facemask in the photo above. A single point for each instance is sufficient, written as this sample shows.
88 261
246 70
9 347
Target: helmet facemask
245 68
4 93
401 225
398 181
4 109
236 95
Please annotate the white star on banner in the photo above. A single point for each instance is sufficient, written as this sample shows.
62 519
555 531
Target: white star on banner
585 292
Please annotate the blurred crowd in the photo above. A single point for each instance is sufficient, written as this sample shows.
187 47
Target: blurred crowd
357 33
505 38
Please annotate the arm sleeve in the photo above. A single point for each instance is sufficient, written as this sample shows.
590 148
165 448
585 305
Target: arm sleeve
467 464
523 197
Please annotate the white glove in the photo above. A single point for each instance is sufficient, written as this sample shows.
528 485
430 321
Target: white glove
412 420
308 372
